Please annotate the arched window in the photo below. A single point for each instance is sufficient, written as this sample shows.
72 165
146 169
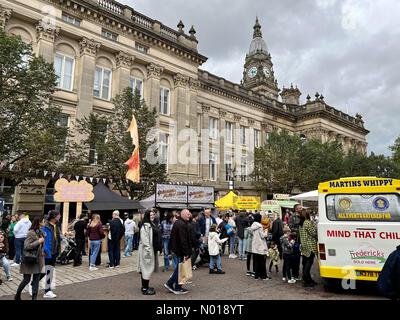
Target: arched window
64 65
102 79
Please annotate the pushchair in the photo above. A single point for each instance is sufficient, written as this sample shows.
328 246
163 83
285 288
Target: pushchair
203 258
69 251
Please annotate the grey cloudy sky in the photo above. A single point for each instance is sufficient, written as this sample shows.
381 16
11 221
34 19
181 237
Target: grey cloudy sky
348 50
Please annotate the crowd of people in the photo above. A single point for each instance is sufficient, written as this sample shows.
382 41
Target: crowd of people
261 240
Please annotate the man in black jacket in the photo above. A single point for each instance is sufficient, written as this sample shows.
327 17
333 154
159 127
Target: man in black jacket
181 245
242 222
277 232
389 279
115 235
79 228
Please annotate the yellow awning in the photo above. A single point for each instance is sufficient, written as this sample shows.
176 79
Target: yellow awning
226 202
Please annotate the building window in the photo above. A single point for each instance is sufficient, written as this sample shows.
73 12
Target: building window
7 191
64 67
242 135
243 170
257 138
213 128
71 20
102 83
212 166
164 100
228 167
141 48
229 132
95 155
137 84
163 149
109 35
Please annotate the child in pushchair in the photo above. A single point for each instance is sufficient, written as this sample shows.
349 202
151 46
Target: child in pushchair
69 250
203 257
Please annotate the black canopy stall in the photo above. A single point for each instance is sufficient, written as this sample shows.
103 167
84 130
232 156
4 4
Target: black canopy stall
106 200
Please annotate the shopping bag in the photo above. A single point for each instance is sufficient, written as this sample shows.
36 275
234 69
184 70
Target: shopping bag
185 271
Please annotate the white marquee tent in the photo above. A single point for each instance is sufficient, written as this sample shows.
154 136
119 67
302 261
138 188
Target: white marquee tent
307 196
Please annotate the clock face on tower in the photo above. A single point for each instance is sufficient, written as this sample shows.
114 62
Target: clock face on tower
252 72
267 73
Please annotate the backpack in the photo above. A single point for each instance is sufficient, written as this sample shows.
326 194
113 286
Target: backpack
229 230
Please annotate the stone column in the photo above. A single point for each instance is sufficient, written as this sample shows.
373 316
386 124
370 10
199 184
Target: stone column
205 143
222 146
86 69
123 71
264 132
192 123
153 76
46 35
182 119
238 145
5 15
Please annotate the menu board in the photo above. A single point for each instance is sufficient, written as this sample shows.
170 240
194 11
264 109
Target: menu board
200 194
171 193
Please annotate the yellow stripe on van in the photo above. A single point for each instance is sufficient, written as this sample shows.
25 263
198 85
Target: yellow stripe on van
367 274
360 185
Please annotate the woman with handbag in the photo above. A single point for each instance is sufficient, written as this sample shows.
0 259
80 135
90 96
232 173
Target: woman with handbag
149 246
32 265
95 234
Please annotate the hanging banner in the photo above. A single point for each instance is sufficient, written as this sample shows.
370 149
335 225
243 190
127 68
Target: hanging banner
133 163
200 194
73 191
171 193
246 203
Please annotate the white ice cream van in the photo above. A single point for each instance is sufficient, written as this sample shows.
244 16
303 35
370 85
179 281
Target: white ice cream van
359 226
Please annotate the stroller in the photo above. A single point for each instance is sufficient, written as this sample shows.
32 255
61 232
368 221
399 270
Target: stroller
69 251
203 258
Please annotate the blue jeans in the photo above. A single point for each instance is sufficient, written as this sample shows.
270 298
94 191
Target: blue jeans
19 247
166 253
128 245
173 280
6 266
215 261
242 247
114 252
232 244
94 251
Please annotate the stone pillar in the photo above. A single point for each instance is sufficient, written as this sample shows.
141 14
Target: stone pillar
192 123
86 69
205 143
5 15
153 76
264 132
46 35
123 71
222 146
238 145
182 119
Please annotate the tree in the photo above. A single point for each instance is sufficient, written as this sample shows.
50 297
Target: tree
320 162
396 151
31 138
277 163
111 144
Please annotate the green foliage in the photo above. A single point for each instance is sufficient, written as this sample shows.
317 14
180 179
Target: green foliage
396 151
284 162
108 135
31 138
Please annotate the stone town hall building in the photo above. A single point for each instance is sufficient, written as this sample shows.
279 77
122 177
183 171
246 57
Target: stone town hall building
100 47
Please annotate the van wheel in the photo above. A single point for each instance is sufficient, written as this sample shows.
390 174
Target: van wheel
333 285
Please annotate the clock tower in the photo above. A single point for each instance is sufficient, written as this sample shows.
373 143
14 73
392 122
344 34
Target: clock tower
258 74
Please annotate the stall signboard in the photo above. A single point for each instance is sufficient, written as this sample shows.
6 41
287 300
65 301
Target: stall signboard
271 205
73 191
281 196
246 203
199 195
171 193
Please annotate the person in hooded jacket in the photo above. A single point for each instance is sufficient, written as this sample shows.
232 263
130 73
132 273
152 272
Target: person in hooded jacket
214 242
149 247
389 278
51 250
130 226
259 248
20 232
242 222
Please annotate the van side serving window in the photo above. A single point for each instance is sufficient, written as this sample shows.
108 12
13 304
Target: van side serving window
363 207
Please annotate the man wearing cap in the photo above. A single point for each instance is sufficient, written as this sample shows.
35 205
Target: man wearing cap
115 235
51 249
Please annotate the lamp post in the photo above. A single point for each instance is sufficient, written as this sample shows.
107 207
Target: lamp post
231 181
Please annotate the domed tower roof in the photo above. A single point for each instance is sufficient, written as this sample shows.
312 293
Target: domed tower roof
257 44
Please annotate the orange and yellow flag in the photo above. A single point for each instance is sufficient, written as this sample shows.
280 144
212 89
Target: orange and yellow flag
133 163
